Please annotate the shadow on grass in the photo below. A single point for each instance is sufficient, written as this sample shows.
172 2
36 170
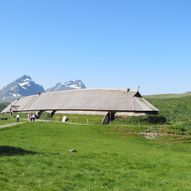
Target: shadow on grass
13 151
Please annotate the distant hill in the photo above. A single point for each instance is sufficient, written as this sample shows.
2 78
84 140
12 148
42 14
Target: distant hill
3 106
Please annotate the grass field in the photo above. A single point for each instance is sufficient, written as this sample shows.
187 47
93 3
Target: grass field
3 122
35 156
116 157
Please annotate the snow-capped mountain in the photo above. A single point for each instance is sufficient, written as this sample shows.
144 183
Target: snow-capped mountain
23 86
69 85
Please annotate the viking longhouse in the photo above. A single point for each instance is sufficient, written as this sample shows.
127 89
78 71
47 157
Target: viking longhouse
109 102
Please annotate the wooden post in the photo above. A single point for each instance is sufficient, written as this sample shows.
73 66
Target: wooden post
110 117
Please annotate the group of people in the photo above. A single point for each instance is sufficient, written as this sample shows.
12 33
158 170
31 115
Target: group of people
31 117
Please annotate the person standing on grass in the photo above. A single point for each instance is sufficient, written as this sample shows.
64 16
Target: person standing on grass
33 117
28 116
18 117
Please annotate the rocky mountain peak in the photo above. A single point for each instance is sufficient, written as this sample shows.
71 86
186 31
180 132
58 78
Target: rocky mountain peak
25 86
69 85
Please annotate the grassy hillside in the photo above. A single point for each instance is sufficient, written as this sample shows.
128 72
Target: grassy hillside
175 109
35 156
167 96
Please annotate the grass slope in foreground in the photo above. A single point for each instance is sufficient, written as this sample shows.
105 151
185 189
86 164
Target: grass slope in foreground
34 156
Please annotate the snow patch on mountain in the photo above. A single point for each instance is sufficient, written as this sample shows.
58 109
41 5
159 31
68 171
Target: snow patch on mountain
69 85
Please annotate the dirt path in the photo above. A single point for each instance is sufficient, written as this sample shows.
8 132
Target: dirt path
10 125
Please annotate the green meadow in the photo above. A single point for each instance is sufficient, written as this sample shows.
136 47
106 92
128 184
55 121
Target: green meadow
115 157
35 156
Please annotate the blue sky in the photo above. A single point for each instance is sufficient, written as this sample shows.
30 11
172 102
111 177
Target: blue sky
105 43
